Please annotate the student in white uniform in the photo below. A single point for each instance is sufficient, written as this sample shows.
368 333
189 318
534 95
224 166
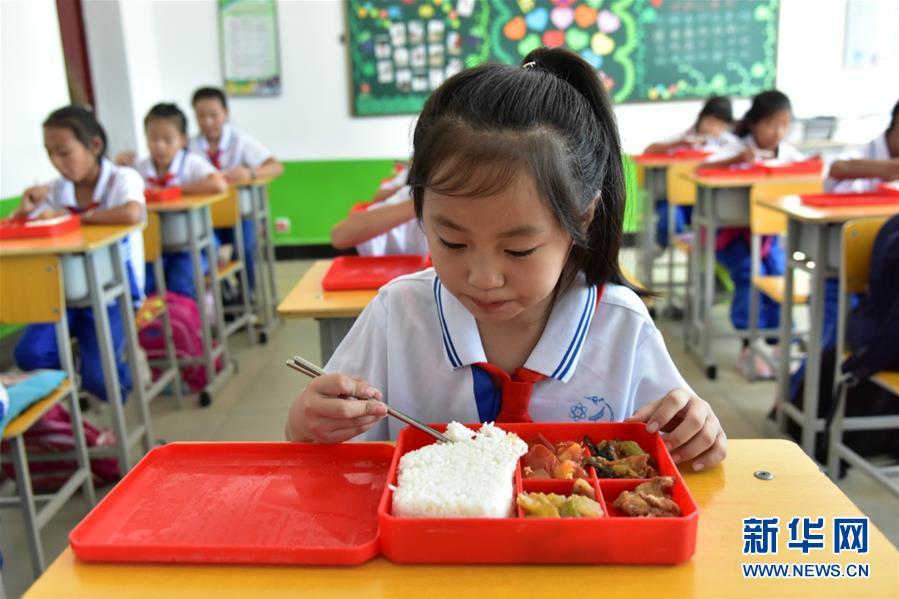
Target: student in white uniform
761 131
865 168
237 155
383 228
171 165
710 132
101 193
862 169
518 181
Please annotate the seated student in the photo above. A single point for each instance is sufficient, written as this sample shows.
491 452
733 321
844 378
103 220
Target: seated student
240 158
711 131
101 193
863 169
171 165
384 228
761 131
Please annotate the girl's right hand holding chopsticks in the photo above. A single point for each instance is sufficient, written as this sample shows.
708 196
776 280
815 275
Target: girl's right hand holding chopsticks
326 413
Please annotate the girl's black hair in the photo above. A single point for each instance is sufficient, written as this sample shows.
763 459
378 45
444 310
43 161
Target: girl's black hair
763 106
167 111
718 107
550 118
893 118
80 120
209 93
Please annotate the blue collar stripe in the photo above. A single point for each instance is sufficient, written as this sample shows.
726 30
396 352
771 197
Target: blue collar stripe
579 335
447 340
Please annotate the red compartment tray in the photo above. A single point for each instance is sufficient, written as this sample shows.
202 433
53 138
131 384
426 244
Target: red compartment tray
158 195
835 200
23 228
370 272
296 503
260 503
802 167
676 155
757 169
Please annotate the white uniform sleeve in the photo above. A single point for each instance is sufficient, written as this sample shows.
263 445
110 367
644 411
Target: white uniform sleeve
864 152
363 354
380 244
654 372
731 147
252 153
128 186
55 199
789 153
196 169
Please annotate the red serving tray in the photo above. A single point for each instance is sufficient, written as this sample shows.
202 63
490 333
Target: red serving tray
24 228
802 167
158 195
293 503
891 188
370 272
864 198
736 170
684 154
258 503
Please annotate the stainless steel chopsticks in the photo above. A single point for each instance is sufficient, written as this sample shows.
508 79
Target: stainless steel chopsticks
311 370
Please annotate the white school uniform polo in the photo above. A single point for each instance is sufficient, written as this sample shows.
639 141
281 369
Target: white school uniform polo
876 149
407 238
185 168
785 152
116 186
234 149
417 343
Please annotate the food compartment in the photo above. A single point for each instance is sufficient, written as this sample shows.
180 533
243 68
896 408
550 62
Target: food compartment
612 489
565 488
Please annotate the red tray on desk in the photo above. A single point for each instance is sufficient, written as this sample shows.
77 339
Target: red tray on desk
803 167
159 195
24 228
676 155
834 200
295 503
736 170
370 272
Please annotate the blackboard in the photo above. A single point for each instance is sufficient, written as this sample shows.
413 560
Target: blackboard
645 50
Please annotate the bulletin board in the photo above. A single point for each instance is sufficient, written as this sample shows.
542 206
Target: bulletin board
644 50
251 61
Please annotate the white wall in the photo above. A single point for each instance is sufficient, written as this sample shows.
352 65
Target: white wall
26 98
172 47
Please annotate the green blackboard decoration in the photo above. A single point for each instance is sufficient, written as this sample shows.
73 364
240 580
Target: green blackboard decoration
644 50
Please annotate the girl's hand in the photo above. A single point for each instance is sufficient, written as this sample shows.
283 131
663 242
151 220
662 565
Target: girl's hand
749 156
334 408
238 174
693 430
32 198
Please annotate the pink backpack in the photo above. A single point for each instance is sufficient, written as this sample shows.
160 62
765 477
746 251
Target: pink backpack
185 317
53 434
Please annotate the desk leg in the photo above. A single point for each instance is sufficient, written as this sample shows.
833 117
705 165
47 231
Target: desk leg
107 361
126 309
26 497
813 362
248 316
786 327
331 332
648 225
695 276
271 313
708 297
266 288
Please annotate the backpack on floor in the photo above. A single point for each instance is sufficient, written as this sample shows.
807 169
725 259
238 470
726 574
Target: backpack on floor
53 434
186 327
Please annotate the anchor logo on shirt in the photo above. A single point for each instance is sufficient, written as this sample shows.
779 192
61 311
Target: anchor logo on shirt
604 412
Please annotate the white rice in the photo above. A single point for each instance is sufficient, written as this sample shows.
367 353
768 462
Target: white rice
469 478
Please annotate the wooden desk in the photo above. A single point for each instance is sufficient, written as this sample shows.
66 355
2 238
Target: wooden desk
186 225
720 202
93 244
255 205
655 170
725 496
335 311
817 233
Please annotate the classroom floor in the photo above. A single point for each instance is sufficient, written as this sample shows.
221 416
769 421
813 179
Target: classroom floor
252 407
